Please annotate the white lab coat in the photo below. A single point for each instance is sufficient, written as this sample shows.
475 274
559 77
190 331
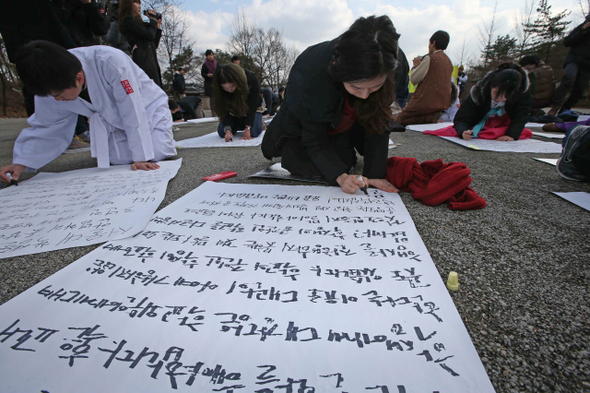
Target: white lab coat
125 126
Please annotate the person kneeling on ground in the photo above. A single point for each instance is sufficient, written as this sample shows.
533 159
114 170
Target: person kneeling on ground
130 122
500 102
236 97
187 108
338 104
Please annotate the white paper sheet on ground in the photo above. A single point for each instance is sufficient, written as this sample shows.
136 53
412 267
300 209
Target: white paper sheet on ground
519 146
551 161
428 127
581 199
214 140
246 288
534 125
203 120
552 135
276 171
53 211
437 126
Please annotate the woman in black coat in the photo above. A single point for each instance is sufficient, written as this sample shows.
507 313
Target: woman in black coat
339 103
143 37
236 98
505 88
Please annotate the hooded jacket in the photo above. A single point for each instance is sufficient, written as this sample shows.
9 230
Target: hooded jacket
475 107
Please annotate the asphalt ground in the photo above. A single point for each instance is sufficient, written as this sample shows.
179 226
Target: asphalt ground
523 261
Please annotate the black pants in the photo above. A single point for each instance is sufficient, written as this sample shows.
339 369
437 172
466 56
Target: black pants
295 158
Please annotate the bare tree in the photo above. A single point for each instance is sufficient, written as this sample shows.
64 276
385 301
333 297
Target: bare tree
461 54
175 39
486 35
522 19
242 36
265 48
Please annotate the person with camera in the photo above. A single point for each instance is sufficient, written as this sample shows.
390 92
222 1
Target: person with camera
143 33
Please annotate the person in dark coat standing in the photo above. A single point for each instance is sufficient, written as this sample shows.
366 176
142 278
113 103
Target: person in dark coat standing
236 98
28 20
339 103
143 35
207 71
576 69
502 97
178 85
402 78
84 21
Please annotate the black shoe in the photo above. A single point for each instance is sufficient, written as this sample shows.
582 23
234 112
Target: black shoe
394 126
565 166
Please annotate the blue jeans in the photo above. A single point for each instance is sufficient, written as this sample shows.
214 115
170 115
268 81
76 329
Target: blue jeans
574 78
238 124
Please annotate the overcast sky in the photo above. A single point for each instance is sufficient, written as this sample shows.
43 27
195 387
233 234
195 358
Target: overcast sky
307 22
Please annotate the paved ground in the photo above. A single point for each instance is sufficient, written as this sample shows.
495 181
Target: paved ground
523 261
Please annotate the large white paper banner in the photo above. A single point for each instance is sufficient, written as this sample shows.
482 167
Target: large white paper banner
247 288
214 140
519 146
52 211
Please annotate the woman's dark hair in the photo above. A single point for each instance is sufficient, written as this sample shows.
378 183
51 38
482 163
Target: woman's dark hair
368 50
208 52
224 102
126 8
46 68
509 79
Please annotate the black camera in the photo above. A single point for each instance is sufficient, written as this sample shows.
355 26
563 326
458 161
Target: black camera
155 15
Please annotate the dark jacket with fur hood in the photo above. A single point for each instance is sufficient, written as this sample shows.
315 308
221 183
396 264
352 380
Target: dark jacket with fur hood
475 107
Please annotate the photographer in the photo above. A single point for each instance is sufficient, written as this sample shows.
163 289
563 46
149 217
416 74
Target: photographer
143 33
83 20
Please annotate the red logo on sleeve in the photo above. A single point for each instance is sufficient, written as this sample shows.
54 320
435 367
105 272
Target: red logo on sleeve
127 86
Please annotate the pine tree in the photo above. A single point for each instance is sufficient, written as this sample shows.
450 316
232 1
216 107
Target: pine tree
547 30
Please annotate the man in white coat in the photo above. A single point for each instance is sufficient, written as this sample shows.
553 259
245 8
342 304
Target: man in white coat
130 122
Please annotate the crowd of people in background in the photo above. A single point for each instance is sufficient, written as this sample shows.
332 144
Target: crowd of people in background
496 107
